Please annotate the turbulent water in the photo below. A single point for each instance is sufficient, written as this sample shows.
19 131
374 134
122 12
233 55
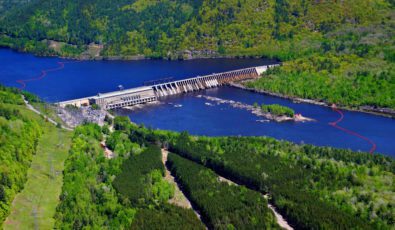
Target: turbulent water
188 112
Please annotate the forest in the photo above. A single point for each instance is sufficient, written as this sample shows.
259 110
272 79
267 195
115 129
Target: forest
126 192
88 198
313 187
352 66
9 4
346 80
141 180
141 185
298 182
19 137
166 217
284 29
221 205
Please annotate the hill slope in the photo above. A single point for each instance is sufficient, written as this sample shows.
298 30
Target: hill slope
281 28
336 51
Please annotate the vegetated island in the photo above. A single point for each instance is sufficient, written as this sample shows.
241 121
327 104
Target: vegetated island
273 112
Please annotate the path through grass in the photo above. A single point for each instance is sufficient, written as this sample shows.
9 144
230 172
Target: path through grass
34 207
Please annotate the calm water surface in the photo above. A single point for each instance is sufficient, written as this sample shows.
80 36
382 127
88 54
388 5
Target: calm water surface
90 77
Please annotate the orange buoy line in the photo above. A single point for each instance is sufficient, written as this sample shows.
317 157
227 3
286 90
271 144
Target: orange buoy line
334 124
43 74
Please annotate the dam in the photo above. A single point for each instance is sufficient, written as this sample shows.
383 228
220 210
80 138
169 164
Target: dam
146 94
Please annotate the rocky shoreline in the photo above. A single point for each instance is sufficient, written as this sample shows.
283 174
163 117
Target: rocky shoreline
257 110
143 57
386 112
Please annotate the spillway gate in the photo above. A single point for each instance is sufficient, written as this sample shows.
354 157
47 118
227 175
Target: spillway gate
145 94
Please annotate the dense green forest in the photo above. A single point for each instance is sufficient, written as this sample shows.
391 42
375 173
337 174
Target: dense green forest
313 187
19 134
88 198
348 80
141 185
334 51
353 61
141 180
126 192
221 205
166 217
277 28
6 5
297 186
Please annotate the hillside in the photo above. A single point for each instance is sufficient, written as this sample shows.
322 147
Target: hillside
338 52
164 28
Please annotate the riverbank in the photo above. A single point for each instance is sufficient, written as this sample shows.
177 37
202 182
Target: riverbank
256 110
93 52
386 112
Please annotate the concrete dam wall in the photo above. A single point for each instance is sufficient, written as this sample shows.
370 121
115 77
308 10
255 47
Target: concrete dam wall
141 95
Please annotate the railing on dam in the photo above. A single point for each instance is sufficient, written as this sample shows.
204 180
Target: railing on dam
151 93
208 81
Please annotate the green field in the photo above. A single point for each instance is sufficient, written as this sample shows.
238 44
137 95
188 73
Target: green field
34 207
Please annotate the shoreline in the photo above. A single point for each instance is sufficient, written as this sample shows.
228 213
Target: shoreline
140 57
390 114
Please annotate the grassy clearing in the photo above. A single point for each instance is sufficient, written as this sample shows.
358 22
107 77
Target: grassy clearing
179 198
34 207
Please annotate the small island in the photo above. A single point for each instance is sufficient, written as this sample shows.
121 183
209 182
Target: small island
278 113
276 109
273 112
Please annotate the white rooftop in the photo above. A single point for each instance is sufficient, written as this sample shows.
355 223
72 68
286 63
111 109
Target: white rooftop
121 92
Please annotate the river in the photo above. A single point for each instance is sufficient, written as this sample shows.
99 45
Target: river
187 112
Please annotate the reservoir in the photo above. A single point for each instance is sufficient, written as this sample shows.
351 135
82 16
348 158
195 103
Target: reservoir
188 112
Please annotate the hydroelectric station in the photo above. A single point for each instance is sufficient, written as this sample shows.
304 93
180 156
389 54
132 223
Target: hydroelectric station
145 94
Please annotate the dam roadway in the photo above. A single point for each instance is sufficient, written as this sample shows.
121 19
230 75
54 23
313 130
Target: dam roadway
146 94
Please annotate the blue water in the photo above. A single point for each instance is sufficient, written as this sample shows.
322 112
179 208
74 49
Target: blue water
90 77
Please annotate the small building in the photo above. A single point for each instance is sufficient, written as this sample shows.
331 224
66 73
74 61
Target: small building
124 98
